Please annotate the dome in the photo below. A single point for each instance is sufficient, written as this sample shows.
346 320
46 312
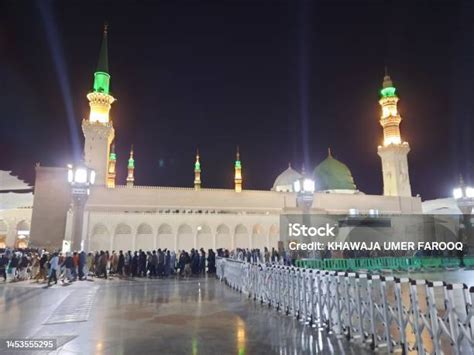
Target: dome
331 174
284 181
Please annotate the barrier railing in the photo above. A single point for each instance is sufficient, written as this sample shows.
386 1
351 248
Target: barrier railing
384 312
392 263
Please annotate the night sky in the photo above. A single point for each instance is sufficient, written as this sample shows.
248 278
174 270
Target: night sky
284 80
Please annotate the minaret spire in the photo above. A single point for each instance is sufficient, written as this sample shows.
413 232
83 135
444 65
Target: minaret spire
111 170
98 129
131 169
197 172
394 151
238 172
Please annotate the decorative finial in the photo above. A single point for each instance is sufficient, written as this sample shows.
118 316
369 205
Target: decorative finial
387 81
238 153
329 152
289 165
131 151
106 28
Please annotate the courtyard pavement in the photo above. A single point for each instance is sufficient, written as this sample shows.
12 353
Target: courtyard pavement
194 316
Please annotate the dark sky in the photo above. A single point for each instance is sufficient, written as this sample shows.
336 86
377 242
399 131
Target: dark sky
282 79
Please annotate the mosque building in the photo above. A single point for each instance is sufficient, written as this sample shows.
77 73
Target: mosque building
126 216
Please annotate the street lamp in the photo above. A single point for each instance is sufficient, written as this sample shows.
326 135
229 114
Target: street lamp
464 196
81 178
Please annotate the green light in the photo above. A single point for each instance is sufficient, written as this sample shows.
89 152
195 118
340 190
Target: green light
388 92
197 166
101 82
237 164
113 156
131 163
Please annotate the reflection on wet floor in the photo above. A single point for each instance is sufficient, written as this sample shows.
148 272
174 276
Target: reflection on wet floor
197 316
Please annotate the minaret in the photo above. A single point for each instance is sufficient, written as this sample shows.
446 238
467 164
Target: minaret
394 151
98 129
111 170
131 169
238 173
197 173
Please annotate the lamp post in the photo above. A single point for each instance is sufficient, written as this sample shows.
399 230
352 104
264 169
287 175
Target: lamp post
80 178
304 188
464 196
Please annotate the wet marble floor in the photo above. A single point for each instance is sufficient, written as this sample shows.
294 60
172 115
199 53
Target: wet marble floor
195 316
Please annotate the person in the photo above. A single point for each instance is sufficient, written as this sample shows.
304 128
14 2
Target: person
75 265
172 263
68 264
187 265
103 261
3 266
167 263
202 262
82 264
181 263
113 262
154 264
90 265
53 269
127 262
211 262
120 263
34 265
134 265
12 266
161 263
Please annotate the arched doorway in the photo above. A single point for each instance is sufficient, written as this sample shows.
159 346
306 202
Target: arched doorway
165 238
223 237
144 238
185 237
259 240
22 235
204 237
3 234
100 238
241 237
273 236
123 239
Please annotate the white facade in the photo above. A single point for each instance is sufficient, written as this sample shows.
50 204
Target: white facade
130 218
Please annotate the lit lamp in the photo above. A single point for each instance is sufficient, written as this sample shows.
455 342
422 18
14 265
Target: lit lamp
80 178
464 196
304 188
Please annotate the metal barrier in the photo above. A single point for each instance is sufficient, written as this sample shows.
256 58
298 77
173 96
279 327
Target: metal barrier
383 312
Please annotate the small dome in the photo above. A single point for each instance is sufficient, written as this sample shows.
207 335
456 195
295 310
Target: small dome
284 181
331 174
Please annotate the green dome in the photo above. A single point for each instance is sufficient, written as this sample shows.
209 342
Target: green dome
331 174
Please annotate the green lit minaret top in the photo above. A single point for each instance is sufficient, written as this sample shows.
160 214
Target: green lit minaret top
113 156
238 165
102 76
388 90
197 164
131 161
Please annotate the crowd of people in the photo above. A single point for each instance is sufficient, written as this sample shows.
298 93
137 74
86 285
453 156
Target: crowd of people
41 266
